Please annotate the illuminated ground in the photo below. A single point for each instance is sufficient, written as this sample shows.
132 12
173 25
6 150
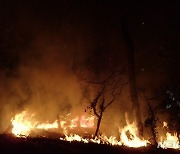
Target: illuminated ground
10 144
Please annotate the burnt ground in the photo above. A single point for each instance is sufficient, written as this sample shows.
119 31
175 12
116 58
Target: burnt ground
10 144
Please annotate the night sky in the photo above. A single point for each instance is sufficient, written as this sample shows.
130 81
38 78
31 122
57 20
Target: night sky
95 26
44 44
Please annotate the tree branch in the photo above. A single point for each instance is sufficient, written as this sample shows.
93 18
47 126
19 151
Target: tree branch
106 80
95 101
113 95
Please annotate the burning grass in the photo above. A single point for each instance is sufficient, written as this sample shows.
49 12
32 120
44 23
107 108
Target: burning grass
12 144
28 135
25 123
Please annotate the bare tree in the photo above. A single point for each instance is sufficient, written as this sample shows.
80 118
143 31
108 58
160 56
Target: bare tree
108 90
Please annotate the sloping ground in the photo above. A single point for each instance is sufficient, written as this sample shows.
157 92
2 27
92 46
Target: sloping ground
10 144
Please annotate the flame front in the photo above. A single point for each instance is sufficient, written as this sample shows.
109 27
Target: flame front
23 123
103 139
47 125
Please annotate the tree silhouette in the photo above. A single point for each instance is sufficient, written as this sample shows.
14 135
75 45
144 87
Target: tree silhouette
109 89
131 68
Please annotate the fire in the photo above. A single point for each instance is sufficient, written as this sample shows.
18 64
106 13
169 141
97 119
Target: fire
87 122
165 124
47 125
75 137
23 123
83 121
129 140
74 123
129 136
170 141
103 139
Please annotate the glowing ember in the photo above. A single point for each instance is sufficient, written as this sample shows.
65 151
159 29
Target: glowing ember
74 123
77 122
165 124
87 122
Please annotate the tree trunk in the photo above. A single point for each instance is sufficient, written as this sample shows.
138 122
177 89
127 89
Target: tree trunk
153 124
131 72
98 125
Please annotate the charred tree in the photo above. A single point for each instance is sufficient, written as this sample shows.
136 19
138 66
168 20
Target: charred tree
101 107
110 87
131 70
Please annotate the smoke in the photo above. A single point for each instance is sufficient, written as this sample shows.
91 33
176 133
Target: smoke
48 72
49 54
43 82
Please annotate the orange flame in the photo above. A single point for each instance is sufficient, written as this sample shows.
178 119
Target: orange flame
87 122
47 125
23 123
170 141
129 135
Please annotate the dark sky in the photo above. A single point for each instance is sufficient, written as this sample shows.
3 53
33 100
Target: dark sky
154 28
